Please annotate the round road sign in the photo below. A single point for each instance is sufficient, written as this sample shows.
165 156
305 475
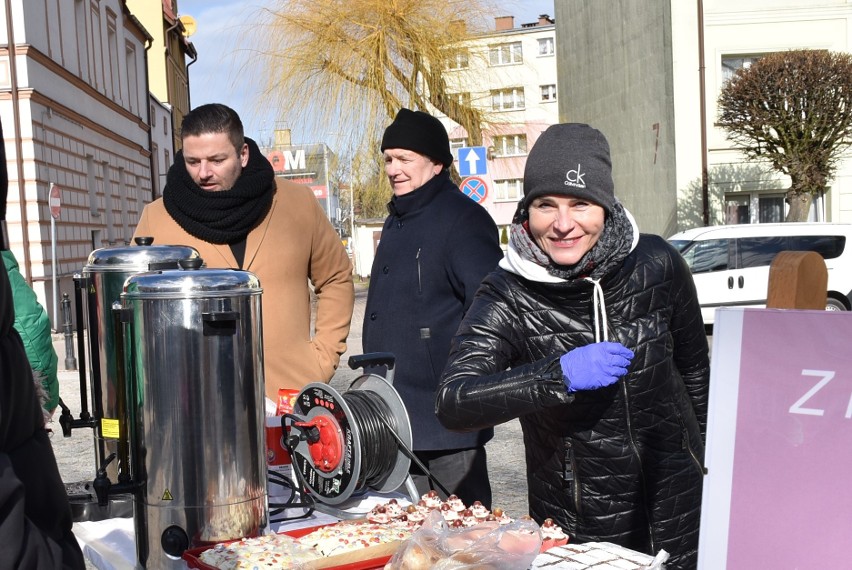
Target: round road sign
474 188
54 202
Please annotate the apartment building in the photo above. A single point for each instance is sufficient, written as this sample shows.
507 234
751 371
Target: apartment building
509 73
648 74
74 106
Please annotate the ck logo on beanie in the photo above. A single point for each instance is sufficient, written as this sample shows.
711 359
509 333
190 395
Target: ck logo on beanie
575 178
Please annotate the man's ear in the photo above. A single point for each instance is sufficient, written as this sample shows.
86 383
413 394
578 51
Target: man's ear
244 155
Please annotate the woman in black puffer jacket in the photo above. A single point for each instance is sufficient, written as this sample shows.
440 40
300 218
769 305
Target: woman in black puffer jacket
592 335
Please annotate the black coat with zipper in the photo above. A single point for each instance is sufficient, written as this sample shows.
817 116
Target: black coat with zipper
436 246
624 463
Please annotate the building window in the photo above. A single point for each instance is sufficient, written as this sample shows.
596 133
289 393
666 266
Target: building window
461 98
505 54
156 183
82 39
455 145
731 63
92 182
97 51
545 46
770 209
457 60
511 189
760 208
123 201
507 99
510 145
132 76
112 54
736 209
548 92
109 206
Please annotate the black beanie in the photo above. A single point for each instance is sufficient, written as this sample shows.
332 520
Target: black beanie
570 159
420 132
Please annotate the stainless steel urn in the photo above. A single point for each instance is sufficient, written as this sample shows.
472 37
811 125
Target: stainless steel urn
197 414
104 275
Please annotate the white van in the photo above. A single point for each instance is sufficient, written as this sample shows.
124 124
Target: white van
730 264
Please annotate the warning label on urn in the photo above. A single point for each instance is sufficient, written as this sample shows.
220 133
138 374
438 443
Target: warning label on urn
109 428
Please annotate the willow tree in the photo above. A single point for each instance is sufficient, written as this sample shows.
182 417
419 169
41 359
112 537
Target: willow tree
352 64
794 110
347 66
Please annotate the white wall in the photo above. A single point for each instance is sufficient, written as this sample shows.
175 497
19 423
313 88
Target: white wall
366 233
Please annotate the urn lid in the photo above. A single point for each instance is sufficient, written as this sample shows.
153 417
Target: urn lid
191 280
144 256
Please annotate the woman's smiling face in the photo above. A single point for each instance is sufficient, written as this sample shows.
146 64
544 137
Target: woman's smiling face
565 227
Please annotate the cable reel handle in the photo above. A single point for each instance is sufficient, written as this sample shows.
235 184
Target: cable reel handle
372 359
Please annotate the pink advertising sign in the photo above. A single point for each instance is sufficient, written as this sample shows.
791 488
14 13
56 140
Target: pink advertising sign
779 445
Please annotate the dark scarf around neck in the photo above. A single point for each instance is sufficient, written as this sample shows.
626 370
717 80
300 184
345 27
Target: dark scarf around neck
226 216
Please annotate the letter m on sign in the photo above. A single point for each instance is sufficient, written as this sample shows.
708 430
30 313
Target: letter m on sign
294 161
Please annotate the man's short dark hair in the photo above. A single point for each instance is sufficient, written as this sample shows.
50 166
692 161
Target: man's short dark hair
214 118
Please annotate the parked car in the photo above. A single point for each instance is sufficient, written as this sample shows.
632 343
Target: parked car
730 264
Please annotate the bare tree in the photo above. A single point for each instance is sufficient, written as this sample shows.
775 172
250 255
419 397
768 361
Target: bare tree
794 110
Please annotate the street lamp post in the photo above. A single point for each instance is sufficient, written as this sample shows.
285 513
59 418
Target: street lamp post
352 212
351 203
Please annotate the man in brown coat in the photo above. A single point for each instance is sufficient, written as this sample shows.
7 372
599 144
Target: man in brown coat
222 198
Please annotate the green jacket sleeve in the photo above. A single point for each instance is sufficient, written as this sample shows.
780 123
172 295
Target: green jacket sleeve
33 324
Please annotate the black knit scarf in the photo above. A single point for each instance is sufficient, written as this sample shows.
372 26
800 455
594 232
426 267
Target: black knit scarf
226 216
612 247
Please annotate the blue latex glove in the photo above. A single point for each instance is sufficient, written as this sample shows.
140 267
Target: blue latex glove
595 365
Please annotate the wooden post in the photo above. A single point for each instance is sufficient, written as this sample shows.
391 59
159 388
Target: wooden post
797 280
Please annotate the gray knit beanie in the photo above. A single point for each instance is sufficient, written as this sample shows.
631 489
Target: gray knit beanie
420 132
570 159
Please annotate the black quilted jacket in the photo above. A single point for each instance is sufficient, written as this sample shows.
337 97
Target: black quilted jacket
624 463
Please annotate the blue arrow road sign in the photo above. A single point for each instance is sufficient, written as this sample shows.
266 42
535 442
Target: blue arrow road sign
472 160
475 189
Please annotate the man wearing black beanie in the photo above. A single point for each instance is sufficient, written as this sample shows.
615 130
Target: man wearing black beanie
436 246
35 517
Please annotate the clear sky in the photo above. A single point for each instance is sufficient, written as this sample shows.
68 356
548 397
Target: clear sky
221 38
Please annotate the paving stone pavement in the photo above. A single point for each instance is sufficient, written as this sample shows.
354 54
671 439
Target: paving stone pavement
75 455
